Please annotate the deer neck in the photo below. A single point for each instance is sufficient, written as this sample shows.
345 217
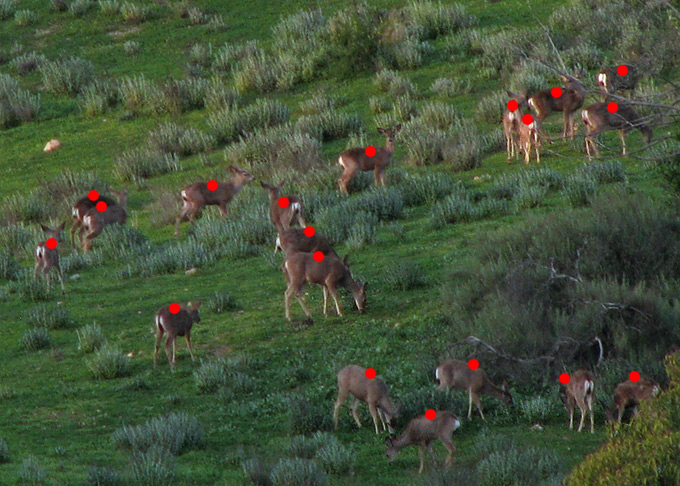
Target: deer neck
386 405
403 441
389 147
492 390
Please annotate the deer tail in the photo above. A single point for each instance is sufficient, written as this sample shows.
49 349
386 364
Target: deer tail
159 323
588 387
341 162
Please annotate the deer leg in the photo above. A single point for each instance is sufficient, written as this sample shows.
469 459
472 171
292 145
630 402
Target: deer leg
334 294
478 404
570 407
469 405
355 412
374 415
301 299
622 136
592 419
159 338
168 351
47 274
74 227
190 346
288 295
223 209
421 449
383 419
446 440
583 416
342 396
620 415
38 268
345 180
325 301
60 274
181 216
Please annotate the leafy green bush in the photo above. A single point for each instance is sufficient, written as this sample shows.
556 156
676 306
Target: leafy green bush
296 472
108 362
49 317
90 337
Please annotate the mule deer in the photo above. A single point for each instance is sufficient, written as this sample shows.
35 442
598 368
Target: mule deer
580 390
47 259
544 103
95 221
284 217
611 81
355 159
294 240
598 119
422 431
510 122
352 380
196 196
630 394
82 206
330 273
529 139
456 374
174 325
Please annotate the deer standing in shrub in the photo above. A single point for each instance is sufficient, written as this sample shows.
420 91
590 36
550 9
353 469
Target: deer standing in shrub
95 221
284 217
374 392
580 390
47 259
196 196
174 325
355 160
597 119
571 99
82 206
630 394
456 374
611 81
422 431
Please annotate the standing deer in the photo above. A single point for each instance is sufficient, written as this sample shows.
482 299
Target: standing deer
48 258
456 374
196 196
352 380
330 273
355 159
598 119
529 139
611 81
294 240
510 122
284 217
95 221
580 390
630 394
82 206
422 431
174 325
544 103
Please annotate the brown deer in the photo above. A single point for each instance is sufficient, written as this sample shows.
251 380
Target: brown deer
598 119
544 103
611 81
630 394
352 380
95 221
580 390
422 431
456 374
355 159
510 123
331 273
174 325
294 240
284 217
196 196
529 139
47 259
82 206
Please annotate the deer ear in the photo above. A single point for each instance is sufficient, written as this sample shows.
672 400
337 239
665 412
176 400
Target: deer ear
281 185
61 226
233 168
397 128
510 93
44 228
265 185
381 130
196 305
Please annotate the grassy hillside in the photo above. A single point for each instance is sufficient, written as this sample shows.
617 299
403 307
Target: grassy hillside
426 244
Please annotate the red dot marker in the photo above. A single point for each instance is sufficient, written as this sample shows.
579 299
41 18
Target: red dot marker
370 373
622 70
101 206
512 105
284 202
556 92
564 378
527 119
634 376
309 231
174 308
51 243
430 414
318 256
473 364
212 185
93 195
612 107
370 151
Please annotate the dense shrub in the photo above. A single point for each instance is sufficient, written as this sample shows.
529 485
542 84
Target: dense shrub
517 466
351 39
27 62
24 18
49 317
80 8
170 138
9 267
435 19
90 337
30 289
103 476
428 188
229 124
152 467
175 433
16 105
333 456
258 471
133 13
298 472
67 76
328 125
394 83
108 362
404 276
7 9
109 8
581 190
135 165
32 473
218 373
539 408
98 97
305 417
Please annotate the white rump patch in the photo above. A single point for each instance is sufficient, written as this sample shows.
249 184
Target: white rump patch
277 245
295 207
602 79
159 323
87 220
456 424
436 373
184 195
532 104
589 385
341 162
39 252
74 212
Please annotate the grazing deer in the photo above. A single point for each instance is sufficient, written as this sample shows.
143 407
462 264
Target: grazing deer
355 159
82 206
175 325
48 258
510 122
630 394
294 240
95 221
598 119
352 380
330 273
284 217
611 81
544 103
422 431
580 391
456 374
196 196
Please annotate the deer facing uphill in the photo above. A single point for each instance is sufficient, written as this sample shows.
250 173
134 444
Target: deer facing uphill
95 221
196 196
630 394
580 390
355 160
571 99
174 325
598 119
47 259
456 374
422 431
82 206
374 392
284 217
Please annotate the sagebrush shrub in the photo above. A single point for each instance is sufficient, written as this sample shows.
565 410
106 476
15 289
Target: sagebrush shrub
170 138
258 471
175 433
405 276
49 317
222 302
90 337
230 124
305 417
27 62
131 47
25 17
333 456
9 267
108 362
30 289
580 189
152 467
294 472
7 9
32 473
136 165
80 8
67 76
109 8
4 451
98 97
103 476
133 13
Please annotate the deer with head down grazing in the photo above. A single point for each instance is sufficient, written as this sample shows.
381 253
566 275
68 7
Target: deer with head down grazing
47 259
284 217
83 205
630 394
422 431
374 392
597 119
95 221
571 99
456 374
580 391
174 325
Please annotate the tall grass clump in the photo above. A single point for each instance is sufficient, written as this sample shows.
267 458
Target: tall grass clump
177 432
219 97
9 267
136 165
435 19
170 138
109 8
49 317
229 124
153 467
108 363
103 476
222 302
7 9
36 338
27 62
67 76
90 338
32 473
296 472
16 105
25 17
328 125
98 97
517 465
133 13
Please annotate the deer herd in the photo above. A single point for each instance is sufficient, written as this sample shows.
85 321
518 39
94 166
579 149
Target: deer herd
309 258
